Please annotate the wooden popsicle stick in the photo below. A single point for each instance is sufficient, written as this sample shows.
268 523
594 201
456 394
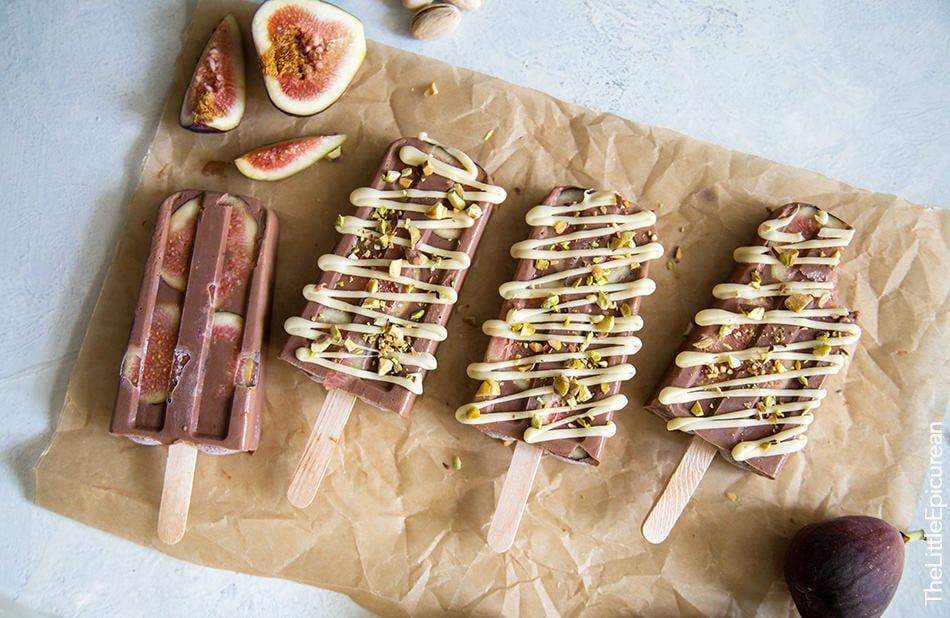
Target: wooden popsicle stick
176 492
316 455
514 496
684 481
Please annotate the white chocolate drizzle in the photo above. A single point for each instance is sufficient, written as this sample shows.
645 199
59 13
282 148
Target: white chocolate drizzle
341 343
776 379
588 329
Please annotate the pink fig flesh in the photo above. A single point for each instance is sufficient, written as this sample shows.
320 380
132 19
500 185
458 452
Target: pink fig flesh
309 52
278 161
214 99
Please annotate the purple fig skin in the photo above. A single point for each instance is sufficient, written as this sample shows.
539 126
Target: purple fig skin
848 566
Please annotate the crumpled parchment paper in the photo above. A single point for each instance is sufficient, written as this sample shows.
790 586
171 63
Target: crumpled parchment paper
394 526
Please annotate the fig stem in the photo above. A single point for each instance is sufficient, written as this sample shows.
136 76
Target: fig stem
914 535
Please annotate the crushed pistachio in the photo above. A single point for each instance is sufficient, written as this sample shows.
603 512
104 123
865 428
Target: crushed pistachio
550 302
417 315
678 254
432 90
561 385
472 413
787 256
488 388
427 168
797 302
488 135
385 366
822 349
756 313
414 235
560 226
704 342
604 388
437 211
523 328
335 335
542 264
536 421
395 268
456 463
731 496
625 310
605 325
474 211
803 380
555 344
391 176
371 303
696 409
456 200
583 393
372 286
340 221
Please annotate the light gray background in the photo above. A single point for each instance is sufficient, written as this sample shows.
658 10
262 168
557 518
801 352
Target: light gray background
855 90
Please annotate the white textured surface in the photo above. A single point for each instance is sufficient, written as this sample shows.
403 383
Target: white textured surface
859 91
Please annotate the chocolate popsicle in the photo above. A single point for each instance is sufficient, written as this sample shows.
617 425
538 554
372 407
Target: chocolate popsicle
558 355
750 374
372 323
193 368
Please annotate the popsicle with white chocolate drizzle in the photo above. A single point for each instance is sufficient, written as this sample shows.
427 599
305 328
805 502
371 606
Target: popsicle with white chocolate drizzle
372 324
750 375
558 355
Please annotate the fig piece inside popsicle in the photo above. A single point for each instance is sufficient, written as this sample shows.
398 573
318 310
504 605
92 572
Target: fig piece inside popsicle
151 375
227 331
179 243
239 259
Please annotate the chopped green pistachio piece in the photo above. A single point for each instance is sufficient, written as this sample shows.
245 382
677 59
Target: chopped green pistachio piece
455 199
390 176
488 388
803 380
373 286
696 409
472 413
555 344
797 302
550 302
560 226
605 325
536 421
822 349
704 343
340 221
787 257
456 463
474 211
335 335
436 211
542 264
416 315
625 310
756 313
561 384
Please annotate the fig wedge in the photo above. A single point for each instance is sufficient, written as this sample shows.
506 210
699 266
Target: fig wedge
309 51
214 99
283 159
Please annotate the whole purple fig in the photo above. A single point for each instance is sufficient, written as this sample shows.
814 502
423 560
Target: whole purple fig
848 566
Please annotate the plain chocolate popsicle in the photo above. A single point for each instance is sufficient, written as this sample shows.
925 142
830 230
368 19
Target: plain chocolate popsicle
750 373
193 368
558 354
373 322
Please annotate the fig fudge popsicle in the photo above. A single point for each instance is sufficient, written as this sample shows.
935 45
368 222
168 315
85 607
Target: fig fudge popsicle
557 357
191 376
749 376
372 323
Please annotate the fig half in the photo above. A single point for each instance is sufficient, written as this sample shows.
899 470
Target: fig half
283 159
214 100
309 51
848 566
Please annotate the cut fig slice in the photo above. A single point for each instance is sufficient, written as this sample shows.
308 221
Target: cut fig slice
178 244
283 159
214 100
152 374
309 51
239 257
